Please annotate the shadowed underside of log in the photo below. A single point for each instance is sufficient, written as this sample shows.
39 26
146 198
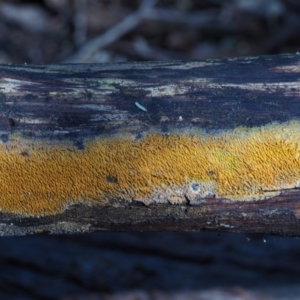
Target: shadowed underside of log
202 145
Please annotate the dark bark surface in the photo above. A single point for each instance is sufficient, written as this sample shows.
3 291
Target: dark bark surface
274 216
149 266
76 101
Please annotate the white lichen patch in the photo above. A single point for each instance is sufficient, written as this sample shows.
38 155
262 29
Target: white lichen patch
194 192
167 194
199 190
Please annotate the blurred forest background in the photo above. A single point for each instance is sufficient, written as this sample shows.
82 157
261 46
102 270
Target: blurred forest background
103 31
147 265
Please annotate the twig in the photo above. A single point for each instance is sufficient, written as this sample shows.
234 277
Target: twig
113 34
194 20
80 22
139 47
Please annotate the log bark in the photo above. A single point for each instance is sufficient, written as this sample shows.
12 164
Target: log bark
96 266
163 146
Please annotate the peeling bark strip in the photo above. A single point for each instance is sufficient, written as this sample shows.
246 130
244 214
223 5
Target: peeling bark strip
204 145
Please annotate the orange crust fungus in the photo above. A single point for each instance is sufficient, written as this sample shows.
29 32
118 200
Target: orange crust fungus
39 178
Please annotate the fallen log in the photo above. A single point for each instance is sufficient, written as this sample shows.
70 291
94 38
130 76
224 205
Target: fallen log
161 146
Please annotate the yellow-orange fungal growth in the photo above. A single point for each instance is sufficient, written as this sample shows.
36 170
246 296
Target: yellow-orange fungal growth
37 178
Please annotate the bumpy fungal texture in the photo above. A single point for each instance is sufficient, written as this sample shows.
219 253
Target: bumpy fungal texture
39 178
